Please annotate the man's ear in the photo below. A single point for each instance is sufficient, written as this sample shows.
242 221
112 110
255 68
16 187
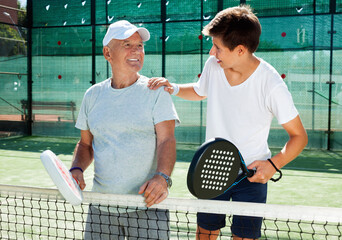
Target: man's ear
106 52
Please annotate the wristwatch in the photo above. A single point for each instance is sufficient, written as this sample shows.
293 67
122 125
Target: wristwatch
167 178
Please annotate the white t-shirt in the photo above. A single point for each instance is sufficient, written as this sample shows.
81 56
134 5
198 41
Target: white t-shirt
122 122
243 114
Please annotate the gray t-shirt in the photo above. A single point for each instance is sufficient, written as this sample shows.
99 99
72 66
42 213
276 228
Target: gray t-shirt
122 123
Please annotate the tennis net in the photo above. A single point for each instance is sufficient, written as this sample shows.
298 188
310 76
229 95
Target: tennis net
40 213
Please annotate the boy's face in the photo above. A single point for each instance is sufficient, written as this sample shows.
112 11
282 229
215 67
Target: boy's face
225 57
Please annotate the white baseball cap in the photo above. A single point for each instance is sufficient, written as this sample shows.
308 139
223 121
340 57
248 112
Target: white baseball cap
122 30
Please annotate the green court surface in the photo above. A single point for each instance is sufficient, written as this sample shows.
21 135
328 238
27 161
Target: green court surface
313 179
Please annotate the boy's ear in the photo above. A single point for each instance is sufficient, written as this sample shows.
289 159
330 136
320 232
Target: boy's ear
241 50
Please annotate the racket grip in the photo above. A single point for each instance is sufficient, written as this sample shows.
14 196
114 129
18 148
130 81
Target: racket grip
250 173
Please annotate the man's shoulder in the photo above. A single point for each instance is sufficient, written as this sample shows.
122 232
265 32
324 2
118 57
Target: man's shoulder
95 90
98 86
143 82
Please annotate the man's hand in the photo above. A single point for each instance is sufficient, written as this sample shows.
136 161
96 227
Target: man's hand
155 190
78 175
157 82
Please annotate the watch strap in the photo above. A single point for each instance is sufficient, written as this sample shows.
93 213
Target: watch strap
166 177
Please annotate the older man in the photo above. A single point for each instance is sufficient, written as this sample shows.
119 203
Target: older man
129 132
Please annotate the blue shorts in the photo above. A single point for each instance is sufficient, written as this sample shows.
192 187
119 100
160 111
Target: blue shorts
242 226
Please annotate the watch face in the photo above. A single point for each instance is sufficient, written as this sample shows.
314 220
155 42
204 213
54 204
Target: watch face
167 178
169 182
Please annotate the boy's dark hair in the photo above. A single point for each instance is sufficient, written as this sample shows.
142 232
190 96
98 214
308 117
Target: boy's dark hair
236 26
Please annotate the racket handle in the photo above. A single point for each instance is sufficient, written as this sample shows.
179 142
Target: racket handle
250 173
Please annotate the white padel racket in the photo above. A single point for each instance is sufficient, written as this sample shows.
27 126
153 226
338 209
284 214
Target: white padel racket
61 176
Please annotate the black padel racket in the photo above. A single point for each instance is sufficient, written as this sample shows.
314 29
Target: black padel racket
215 168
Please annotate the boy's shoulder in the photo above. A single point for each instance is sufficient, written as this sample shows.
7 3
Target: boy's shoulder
268 70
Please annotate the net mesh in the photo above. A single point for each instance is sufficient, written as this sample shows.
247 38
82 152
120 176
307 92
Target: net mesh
36 213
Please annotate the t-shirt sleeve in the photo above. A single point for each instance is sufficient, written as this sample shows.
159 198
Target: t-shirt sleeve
164 108
281 104
82 119
201 86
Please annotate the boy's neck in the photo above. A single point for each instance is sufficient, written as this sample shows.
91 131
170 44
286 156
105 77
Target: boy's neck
238 75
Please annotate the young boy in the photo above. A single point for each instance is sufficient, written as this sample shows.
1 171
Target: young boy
243 94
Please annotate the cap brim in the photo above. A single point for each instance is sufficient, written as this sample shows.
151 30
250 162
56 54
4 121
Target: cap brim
144 34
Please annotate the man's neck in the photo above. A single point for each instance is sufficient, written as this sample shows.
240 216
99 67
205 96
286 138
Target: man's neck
123 80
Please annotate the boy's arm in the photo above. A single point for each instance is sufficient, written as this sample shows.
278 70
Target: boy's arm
297 141
186 91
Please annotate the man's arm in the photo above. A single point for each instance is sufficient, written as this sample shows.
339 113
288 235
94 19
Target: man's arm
83 156
297 141
155 190
186 91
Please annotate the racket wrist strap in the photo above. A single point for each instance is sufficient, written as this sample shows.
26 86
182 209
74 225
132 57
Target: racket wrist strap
74 168
281 174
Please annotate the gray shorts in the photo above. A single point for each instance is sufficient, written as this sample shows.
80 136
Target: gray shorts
140 224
